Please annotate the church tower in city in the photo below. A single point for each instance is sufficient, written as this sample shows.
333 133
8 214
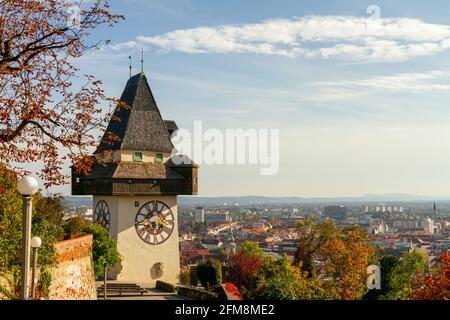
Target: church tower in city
135 185
434 210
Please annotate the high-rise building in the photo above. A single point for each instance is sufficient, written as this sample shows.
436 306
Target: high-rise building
428 225
199 215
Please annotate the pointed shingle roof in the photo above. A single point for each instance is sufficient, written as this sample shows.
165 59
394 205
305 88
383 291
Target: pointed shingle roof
139 127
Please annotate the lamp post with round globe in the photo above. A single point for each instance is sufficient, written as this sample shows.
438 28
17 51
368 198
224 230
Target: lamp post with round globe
27 186
35 244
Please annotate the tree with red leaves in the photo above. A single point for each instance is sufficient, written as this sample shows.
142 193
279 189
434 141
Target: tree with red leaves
43 117
242 267
435 286
232 291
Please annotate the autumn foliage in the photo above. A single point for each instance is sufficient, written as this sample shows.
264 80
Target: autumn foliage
340 255
345 259
230 288
43 116
242 267
437 286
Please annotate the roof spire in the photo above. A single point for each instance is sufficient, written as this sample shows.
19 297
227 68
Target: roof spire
142 61
129 57
434 210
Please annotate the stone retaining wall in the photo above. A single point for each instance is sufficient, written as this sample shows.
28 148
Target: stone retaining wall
73 274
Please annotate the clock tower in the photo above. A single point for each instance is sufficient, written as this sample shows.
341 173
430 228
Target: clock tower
135 186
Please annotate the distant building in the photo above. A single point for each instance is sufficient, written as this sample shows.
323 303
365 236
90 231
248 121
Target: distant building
83 212
286 247
406 223
428 225
200 215
335 212
377 226
230 244
212 244
217 217
261 225
434 211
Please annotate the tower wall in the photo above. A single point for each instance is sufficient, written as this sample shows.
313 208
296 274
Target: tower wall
140 260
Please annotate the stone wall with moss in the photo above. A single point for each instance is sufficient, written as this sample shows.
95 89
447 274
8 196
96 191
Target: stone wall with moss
6 288
73 274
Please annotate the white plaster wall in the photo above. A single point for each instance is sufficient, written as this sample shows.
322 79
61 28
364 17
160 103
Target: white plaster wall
138 256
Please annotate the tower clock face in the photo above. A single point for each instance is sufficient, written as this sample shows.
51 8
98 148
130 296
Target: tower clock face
154 222
102 215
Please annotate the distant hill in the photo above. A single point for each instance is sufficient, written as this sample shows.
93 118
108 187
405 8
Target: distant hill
78 201
261 200
86 201
399 197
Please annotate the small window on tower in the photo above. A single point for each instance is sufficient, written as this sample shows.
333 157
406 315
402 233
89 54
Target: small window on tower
137 157
159 158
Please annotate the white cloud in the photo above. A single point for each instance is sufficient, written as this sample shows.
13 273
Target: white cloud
343 37
396 83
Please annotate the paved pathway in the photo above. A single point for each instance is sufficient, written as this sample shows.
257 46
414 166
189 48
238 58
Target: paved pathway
151 294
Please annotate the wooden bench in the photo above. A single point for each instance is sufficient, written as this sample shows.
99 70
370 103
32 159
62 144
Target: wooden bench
121 288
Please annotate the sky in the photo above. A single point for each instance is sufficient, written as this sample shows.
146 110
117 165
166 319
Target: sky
358 89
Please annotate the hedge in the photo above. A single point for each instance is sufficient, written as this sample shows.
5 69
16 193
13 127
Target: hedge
193 276
165 286
209 272
197 294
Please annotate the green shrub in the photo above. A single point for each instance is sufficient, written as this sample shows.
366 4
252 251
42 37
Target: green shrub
49 233
193 276
104 248
45 279
197 294
10 220
209 272
280 280
7 291
184 277
74 226
165 286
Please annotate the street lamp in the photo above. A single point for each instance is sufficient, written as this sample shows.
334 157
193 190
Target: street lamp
27 186
35 244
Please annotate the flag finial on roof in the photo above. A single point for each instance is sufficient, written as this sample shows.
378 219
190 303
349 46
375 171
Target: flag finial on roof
142 61
129 57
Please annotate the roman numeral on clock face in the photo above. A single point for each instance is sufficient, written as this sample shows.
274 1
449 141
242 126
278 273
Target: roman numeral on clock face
149 237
